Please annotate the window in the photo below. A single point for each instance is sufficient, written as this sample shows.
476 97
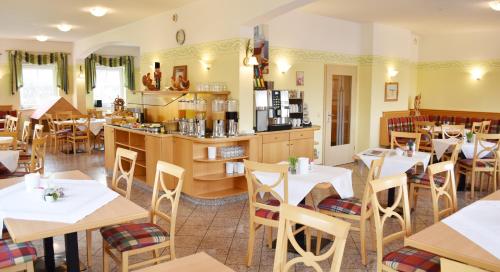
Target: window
39 85
109 84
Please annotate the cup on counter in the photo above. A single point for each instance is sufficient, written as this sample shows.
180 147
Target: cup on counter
32 181
229 168
212 152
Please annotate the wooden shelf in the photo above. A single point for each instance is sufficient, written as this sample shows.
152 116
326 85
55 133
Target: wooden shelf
223 193
219 176
168 92
220 159
141 178
122 144
142 148
141 163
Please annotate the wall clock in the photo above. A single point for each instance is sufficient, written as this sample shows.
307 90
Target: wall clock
180 36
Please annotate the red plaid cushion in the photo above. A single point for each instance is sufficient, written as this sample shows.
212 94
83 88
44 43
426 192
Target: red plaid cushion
423 178
13 254
334 203
468 162
268 214
408 259
132 236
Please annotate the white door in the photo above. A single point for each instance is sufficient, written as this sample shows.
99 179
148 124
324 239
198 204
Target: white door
340 97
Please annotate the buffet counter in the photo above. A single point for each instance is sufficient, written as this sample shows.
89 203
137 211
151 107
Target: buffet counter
205 178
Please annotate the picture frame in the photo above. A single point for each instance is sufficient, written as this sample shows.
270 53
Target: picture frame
180 71
299 78
391 91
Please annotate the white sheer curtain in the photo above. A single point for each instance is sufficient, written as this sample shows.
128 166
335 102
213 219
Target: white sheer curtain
109 85
39 85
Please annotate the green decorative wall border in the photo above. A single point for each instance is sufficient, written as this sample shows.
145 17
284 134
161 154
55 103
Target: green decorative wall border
457 64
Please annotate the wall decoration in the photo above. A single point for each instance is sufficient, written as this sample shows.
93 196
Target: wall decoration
180 36
391 91
261 47
299 78
179 78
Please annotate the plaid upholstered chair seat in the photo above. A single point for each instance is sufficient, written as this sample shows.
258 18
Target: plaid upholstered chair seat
408 259
63 132
13 254
468 163
268 214
423 178
130 236
336 204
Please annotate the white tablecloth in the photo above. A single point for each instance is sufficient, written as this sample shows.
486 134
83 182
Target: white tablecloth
480 223
82 197
395 164
5 140
441 145
299 186
9 159
95 125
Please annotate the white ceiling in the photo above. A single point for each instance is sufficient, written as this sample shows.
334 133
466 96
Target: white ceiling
420 16
24 19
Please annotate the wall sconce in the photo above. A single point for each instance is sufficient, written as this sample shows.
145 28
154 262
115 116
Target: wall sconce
80 75
250 59
391 72
283 66
477 73
206 66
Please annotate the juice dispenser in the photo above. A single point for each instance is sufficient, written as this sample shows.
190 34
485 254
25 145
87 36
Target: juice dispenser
218 117
232 117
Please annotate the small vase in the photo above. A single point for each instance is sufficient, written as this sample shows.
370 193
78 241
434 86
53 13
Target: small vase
293 171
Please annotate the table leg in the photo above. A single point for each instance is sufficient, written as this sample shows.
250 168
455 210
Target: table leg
48 248
72 259
461 183
390 196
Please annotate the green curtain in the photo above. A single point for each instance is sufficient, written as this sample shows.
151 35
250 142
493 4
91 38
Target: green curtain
17 58
90 72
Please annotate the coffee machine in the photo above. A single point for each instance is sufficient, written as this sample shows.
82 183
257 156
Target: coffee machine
261 114
279 110
232 117
218 117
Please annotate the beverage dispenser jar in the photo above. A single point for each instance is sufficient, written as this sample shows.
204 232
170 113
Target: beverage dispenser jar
190 110
201 109
232 117
182 108
218 117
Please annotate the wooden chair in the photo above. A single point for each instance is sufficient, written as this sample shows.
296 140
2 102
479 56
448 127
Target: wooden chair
23 143
57 135
422 180
12 145
442 181
453 131
38 131
123 157
476 127
267 213
400 139
11 123
291 215
485 126
80 133
352 208
426 144
426 125
406 257
36 161
484 161
136 238
16 256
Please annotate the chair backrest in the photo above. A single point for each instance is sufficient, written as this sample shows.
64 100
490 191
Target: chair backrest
163 169
373 173
426 137
37 161
11 123
476 127
50 121
485 145
400 139
456 152
13 144
38 131
453 131
256 188
382 213
119 173
418 125
81 125
25 135
64 115
291 215
447 191
485 126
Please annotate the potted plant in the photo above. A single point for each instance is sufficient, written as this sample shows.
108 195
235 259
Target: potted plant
469 136
292 161
53 194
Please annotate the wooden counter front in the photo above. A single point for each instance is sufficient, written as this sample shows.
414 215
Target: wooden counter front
205 178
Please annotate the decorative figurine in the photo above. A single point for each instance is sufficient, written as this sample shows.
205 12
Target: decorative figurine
157 75
416 104
148 82
119 104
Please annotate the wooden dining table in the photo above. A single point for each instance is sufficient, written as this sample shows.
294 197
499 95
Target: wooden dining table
199 262
442 240
119 210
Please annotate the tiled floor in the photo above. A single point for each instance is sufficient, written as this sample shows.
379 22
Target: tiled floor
222 231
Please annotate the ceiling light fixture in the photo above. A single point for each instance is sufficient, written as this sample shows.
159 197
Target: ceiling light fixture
495 5
98 11
41 38
64 27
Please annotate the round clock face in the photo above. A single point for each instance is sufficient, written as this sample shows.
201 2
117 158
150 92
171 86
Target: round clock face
180 37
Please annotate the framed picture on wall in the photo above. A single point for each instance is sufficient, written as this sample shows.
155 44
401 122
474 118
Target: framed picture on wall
299 78
391 91
180 73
